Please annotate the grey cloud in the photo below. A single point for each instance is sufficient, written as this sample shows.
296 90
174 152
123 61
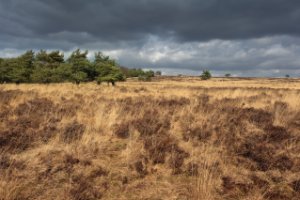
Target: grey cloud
189 20
268 53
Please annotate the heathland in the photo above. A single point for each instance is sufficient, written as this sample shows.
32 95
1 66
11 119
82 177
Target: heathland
172 138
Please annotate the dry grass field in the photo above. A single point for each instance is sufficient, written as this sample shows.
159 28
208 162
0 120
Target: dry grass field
172 138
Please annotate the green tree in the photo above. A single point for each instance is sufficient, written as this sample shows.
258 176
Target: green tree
149 73
56 57
227 75
100 57
42 75
16 70
109 74
42 57
106 70
22 67
47 67
49 58
205 75
80 63
79 77
63 73
109 79
27 59
6 70
77 55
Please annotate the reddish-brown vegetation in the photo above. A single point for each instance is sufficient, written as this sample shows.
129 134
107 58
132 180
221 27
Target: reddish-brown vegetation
143 144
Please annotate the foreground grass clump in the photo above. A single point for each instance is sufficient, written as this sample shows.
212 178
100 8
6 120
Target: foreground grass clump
165 139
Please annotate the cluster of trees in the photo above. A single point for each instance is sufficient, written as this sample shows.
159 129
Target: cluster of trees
52 67
141 74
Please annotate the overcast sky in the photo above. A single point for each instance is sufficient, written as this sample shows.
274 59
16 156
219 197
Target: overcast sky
241 37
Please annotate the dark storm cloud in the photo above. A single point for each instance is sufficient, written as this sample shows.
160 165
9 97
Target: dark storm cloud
176 34
188 20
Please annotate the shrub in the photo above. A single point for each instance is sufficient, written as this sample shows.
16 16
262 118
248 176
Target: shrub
72 132
121 130
158 73
144 78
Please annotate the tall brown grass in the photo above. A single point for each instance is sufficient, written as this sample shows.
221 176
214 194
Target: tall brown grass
173 138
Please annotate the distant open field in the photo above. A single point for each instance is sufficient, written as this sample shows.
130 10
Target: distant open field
172 138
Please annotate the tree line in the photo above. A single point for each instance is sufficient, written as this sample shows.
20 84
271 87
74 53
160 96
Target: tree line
52 67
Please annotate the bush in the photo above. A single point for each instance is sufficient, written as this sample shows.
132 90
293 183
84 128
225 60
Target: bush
145 78
205 75
72 132
158 73
149 73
